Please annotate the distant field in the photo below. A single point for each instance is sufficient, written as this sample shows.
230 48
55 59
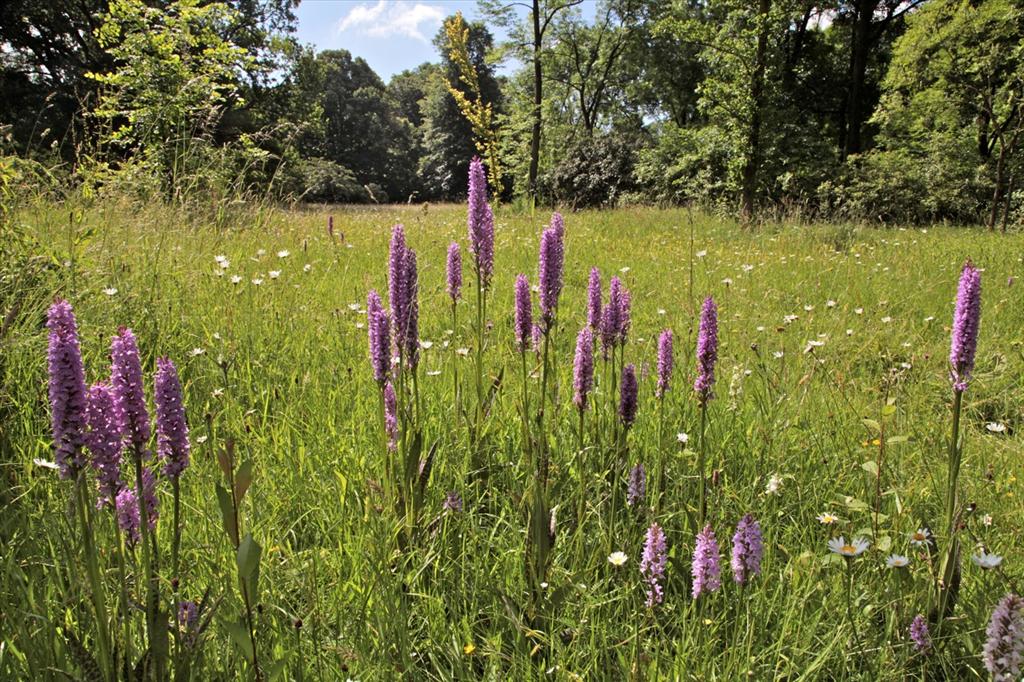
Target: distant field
819 326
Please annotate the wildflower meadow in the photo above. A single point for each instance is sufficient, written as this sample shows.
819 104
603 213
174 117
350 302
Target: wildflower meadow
469 441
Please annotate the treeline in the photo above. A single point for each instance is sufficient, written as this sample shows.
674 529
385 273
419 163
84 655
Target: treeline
880 110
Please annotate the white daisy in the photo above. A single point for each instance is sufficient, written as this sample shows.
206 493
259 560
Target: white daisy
307 267
284 253
236 279
274 274
257 281
827 518
886 319
702 253
778 354
996 427
196 351
682 438
426 345
854 547
773 486
896 561
920 537
830 303
985 560
727 281
617 558
110 291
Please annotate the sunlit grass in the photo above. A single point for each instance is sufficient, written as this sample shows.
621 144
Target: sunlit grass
820 328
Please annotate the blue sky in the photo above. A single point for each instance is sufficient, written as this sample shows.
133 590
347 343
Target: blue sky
391 35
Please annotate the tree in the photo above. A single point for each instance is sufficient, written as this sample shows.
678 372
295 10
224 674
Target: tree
541 13
174 76
869 20
362 131
585 60
468 96
447 136
958 73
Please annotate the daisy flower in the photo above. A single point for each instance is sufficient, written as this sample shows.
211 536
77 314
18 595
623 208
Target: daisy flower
985 560
274 274
896 561
994 427
284 253
848 550
773 486
826 518
617 558
921 537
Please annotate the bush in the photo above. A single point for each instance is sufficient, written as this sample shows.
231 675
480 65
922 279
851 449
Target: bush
595 171
328 182
687 165
900 186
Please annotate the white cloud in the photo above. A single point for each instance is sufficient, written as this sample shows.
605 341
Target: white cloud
392 17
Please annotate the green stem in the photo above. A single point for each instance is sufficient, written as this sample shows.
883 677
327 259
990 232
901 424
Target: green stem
95 585
701 464
951 558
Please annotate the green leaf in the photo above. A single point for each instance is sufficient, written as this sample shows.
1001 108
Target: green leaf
275 670
870 466
243 479
248 557
239 634
888 410
896 440
227 514
874 426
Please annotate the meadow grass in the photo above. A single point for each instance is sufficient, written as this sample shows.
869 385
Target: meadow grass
281 368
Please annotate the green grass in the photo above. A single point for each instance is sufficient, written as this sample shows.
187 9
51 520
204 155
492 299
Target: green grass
283 370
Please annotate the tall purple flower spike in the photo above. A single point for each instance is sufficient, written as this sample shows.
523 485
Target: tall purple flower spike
707 350
747 549
652 564
378 326
1003 654
105 440
583 368
523 314
67 389
706 570
453 271
171 426
552 259
665 360
966 323
480 223
628 390
126 378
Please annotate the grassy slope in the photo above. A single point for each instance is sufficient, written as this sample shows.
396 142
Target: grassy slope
284 370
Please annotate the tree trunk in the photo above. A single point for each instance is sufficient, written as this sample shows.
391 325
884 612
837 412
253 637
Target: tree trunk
537 98
750 167
997 192
1007 200
860 46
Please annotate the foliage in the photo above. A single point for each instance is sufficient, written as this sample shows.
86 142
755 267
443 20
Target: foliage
953 100
174 77
595 171
479 113
447 136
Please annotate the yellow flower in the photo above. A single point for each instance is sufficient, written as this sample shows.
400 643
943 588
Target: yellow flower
469 649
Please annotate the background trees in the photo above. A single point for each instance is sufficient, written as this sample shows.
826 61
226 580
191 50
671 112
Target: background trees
889 110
